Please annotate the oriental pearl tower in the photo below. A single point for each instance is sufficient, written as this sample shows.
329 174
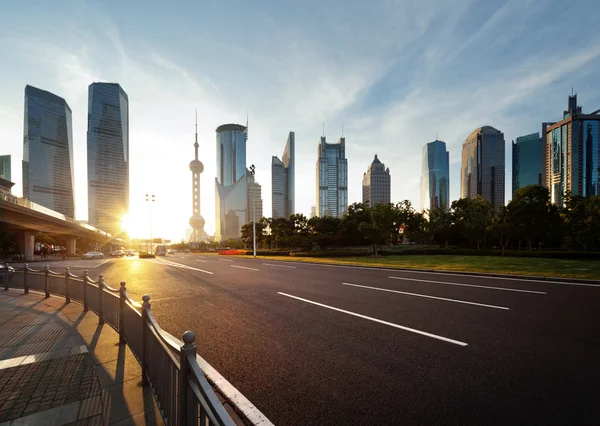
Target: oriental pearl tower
196 221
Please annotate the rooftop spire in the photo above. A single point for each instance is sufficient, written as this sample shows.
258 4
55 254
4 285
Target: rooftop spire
196 142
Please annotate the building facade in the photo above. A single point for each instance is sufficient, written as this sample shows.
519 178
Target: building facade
482 168
48 174
282 181
255 202
5 166
231 185
572 154
376 184
108 156
435 176
527 161
332 178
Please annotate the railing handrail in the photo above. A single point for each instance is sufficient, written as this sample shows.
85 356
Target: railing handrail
179 353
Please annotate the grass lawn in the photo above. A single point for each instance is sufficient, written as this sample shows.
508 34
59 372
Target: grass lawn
492 264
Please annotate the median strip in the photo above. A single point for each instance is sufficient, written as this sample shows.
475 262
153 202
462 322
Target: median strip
470 285
391 324
429 297
243 267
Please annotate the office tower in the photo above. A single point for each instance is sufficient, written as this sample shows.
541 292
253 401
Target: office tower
313 211
48 176
482 168
435 176
332 178
108 156
231 186
376 184
572 152
282 181
5 167
527 161
196 220
255 201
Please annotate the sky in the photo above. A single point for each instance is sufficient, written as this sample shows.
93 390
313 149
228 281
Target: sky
396 73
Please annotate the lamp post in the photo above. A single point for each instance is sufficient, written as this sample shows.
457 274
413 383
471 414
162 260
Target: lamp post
252 172
151 199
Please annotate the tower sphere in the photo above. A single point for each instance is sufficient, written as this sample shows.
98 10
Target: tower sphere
196 166
197 222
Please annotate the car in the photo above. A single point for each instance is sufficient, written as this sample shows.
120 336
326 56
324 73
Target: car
118 253
6 271
129 253
93 255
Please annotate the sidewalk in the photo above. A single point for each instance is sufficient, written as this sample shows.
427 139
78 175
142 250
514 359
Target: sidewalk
58 366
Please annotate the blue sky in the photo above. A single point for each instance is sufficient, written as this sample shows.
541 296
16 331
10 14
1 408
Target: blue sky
396 73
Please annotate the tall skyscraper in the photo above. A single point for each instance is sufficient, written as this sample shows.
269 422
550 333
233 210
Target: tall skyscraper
527 161
108 156
572 154
255 201
376 184
48 175
332 178
282 181
482 169
196 220
5 172
231 185
435 176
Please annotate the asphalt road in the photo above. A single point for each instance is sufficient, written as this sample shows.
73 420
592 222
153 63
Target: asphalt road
320 345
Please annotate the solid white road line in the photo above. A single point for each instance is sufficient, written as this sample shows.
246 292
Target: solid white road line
178 265
391 324
470 285
243 267
102 263
226 260
202 257
279 266
429 297
200 260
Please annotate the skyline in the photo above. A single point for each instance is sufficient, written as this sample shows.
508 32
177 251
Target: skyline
364 81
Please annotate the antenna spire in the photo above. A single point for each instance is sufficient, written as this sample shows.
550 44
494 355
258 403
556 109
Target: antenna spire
572 91
323 129
246 124
342 129
196 141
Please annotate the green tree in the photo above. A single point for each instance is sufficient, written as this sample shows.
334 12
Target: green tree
441 225
532 215
357 214
473 217
501 228
248 234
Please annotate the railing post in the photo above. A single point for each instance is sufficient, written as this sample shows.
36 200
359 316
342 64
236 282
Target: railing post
100 288
25 286
46 272
67 272
188 348
145 308
5 276
122 313
85 284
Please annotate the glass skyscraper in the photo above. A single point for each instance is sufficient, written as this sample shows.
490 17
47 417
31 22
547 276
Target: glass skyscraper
231 185
482 168
527 161
572 154
435 176
282 181
48 175
108 156
5 172
332 179
376 184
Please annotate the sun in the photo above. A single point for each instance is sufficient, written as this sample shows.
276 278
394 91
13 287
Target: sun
127 223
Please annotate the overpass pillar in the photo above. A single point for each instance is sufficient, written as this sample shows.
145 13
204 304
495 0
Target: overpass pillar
25 244
71 246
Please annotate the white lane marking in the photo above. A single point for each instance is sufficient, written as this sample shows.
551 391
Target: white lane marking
243 267
200 260
391 324
279 266
469 285
226 260
177 265
202 257
102 263
429 297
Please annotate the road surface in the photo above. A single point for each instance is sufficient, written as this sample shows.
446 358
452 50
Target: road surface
314 344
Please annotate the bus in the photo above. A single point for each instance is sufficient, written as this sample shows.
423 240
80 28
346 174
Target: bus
160 251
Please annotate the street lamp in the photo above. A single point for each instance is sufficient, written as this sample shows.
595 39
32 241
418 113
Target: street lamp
151 199
252 172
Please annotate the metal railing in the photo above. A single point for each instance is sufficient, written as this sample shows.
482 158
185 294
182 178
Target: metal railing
169 366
